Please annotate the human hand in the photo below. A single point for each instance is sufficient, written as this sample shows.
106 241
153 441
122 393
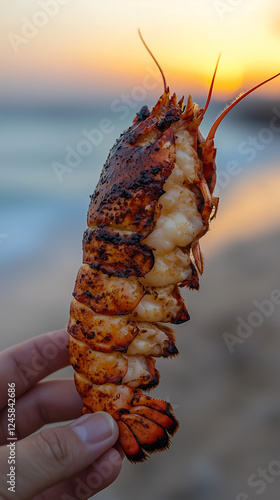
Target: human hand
67 462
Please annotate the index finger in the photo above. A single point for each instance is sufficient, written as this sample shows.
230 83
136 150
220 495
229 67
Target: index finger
27 363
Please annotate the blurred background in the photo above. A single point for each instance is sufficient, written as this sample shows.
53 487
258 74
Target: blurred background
73 70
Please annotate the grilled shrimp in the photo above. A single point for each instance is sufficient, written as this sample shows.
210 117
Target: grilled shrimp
153 203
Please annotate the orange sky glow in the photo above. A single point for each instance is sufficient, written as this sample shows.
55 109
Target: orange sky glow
95 43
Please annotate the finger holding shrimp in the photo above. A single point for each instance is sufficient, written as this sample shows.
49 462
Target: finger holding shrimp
55 460
32 361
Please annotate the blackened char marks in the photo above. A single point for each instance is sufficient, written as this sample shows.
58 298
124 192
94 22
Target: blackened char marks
143 113
107 295
116 254
172 115
132 179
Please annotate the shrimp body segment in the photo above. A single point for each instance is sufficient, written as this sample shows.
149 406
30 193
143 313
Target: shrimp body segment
150 208
153 203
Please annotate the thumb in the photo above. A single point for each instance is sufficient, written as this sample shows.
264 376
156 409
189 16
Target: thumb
56 454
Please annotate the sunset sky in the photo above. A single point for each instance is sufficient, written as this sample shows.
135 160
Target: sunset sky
92 46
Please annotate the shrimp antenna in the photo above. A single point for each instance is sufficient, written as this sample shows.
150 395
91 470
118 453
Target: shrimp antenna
152 55
215 125
211 86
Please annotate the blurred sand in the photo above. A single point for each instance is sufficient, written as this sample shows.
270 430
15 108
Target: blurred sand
228 404
249 209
